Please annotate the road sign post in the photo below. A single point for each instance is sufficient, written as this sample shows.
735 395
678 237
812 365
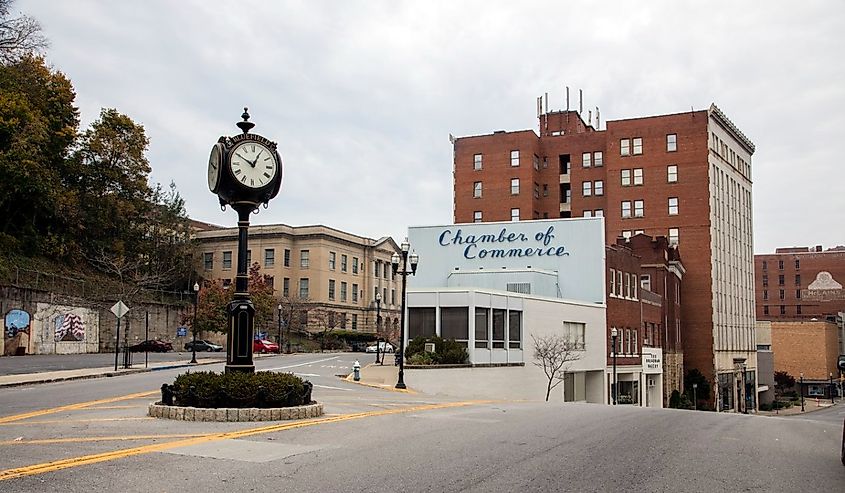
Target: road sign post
119 309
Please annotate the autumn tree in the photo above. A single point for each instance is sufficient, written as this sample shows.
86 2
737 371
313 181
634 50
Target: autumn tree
554 354
211 309
261 294
19 36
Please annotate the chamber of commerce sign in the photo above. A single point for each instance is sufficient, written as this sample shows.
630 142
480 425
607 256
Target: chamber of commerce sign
505 244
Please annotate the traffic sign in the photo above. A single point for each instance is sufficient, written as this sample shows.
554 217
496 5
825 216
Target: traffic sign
181 331
119 309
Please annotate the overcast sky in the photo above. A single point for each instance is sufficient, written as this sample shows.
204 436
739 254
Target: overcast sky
361 96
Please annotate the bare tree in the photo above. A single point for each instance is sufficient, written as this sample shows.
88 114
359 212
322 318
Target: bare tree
553 354
19 36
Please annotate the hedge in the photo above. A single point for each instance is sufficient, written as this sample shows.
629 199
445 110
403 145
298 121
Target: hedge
239 390
446 352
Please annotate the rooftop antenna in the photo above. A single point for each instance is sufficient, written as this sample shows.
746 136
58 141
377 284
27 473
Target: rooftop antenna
567 99
589 117
547 102
580 101
597 119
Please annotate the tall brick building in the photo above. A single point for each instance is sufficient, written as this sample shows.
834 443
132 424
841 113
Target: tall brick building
686 176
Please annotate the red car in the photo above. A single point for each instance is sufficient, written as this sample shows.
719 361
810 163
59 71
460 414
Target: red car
264 346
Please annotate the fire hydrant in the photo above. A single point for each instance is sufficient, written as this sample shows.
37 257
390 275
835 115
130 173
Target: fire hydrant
356 370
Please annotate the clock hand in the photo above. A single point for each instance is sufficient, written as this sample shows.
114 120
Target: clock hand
245 159
256 158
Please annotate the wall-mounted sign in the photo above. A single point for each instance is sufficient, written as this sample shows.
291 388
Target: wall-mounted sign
181 331
652 360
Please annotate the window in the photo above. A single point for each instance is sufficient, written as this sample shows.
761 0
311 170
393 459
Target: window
586 160
672 173
626 178
634 341
287 257
798 294
612 279
343 291
782 310
303 318
639 208
798 309
354 293
765 294
638 176
674 236
354 265
377 268
573 333
638 145
476 162
671 142
476 190
331 289
286 287
227 260
598 159
765 280
482 339
514 215
626 235
421 322
625 147
303 288
781 280
208 260
626 208
269 257
392 296
619 280
765 265
797 279
588 213
628 341
599 187
536 191
536 162
780 264
227 283
514 329
781 294
498 328
332 260
587 188
514 158
797 264
545 190
598 213
343 260
673 206
639 232
304 255
514 186
645 282
354 322
454 324
765 309
476 217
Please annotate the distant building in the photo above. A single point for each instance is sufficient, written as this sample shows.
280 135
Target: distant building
686 176
809 348
332 274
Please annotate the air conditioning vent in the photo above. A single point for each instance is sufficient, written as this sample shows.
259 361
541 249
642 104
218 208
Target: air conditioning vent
519 287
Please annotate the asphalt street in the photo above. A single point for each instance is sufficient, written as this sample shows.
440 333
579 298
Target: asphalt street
93 435
37 363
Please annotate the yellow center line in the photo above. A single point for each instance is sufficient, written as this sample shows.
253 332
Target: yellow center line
72 407
158 447
114 407
45 441
63 421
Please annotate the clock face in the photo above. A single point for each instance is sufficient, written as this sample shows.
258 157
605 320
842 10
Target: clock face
253 165
214 168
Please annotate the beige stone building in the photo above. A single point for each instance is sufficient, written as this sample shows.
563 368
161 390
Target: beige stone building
331 276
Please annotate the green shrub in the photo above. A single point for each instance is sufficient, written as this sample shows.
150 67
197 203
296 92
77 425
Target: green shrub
674 399
446 351
423 358
237 389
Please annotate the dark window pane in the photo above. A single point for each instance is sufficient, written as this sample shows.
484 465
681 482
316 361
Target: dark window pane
454 323
498 328
514 329
421 322
482 315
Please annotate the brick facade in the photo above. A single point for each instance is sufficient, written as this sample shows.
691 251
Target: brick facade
805 346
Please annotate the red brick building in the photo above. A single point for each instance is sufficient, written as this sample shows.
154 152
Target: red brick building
686 176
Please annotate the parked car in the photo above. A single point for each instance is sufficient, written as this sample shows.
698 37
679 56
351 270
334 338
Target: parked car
264 346
383 347
151 346
203 346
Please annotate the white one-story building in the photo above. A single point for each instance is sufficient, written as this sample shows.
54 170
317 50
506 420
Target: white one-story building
494 288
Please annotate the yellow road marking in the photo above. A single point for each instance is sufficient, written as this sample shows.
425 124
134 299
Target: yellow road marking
62 421
158 447
71 407
99 439
115 407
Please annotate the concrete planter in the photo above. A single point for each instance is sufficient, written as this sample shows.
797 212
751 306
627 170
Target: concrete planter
158 410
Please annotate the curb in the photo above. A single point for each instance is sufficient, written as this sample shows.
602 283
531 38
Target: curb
112 373
351 379
226 415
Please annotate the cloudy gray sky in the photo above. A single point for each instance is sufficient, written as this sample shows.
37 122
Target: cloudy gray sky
361 96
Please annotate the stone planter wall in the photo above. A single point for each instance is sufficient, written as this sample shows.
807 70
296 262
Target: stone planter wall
158 410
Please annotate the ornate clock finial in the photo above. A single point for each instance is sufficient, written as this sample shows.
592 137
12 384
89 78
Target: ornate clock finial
245 125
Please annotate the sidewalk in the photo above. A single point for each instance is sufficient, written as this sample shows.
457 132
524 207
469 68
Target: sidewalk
379 376
63 375
810 405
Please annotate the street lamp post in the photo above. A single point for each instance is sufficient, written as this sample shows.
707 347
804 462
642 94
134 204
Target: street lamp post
378 326
831 388
194 323
613 335
801 390
695 397
394 261
279 339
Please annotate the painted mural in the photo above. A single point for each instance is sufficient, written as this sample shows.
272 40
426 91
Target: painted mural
61 329
16 333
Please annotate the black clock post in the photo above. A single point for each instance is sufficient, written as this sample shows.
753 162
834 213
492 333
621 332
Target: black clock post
244 171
